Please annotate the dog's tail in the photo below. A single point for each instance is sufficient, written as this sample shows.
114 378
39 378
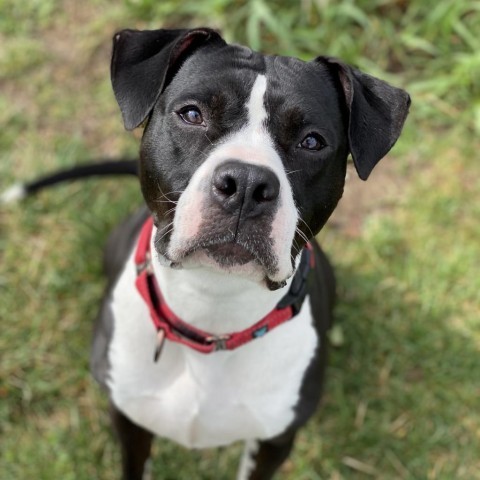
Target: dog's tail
20 191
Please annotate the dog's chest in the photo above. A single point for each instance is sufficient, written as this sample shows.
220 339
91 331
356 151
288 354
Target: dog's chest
203 400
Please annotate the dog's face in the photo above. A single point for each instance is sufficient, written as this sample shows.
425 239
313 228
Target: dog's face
246 153
243 157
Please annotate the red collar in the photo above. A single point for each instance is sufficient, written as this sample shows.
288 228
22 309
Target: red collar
171 327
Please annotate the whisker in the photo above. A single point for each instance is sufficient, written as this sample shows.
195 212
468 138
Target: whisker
166 201
175 191
211 143
301 234
165 195
169 211
292 259
166 226
165 233
306 224
297 248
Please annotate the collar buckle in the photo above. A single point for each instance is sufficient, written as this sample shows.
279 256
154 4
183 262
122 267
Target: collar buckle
219 341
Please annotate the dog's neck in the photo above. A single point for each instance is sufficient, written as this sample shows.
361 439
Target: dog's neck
213 301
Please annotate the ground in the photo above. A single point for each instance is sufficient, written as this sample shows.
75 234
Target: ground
402 394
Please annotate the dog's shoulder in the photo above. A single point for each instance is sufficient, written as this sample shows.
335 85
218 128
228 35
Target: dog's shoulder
118 248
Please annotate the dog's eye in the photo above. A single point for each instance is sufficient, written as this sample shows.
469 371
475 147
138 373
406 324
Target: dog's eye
191 115
312 141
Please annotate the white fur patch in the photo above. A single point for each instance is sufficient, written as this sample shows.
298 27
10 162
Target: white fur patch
202 400
13 194
256 104
247 463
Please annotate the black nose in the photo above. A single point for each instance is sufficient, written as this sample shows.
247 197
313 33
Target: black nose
246 189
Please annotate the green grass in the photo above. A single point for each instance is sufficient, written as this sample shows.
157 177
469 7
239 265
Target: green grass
403 387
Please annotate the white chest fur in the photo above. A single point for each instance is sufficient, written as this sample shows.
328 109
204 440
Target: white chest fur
202 400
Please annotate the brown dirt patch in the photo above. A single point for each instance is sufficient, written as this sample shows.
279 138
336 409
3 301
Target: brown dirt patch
380 193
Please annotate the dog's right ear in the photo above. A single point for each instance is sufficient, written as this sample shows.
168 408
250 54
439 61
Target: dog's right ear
144 61
376 111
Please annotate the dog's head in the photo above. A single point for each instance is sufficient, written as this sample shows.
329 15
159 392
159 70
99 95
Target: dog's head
243 155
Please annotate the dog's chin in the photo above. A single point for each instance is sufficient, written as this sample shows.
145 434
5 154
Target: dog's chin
230 258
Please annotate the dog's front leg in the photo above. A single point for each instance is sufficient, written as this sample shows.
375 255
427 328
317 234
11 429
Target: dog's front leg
135 444
261 459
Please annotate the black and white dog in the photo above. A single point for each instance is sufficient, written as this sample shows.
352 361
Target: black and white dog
213 327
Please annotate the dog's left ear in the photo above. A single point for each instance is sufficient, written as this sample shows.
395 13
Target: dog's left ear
144 61
377 112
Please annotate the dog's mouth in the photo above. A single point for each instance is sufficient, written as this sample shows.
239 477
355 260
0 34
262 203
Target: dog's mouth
250 256
229 254
249 251
233 256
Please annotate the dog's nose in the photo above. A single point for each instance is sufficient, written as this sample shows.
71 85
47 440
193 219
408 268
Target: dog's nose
243 188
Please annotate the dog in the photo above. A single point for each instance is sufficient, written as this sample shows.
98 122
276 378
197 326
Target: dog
213 326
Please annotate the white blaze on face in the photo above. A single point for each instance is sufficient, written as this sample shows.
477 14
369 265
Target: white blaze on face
251 144
257 115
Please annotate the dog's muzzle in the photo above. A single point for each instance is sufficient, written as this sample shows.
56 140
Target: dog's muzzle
232 216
